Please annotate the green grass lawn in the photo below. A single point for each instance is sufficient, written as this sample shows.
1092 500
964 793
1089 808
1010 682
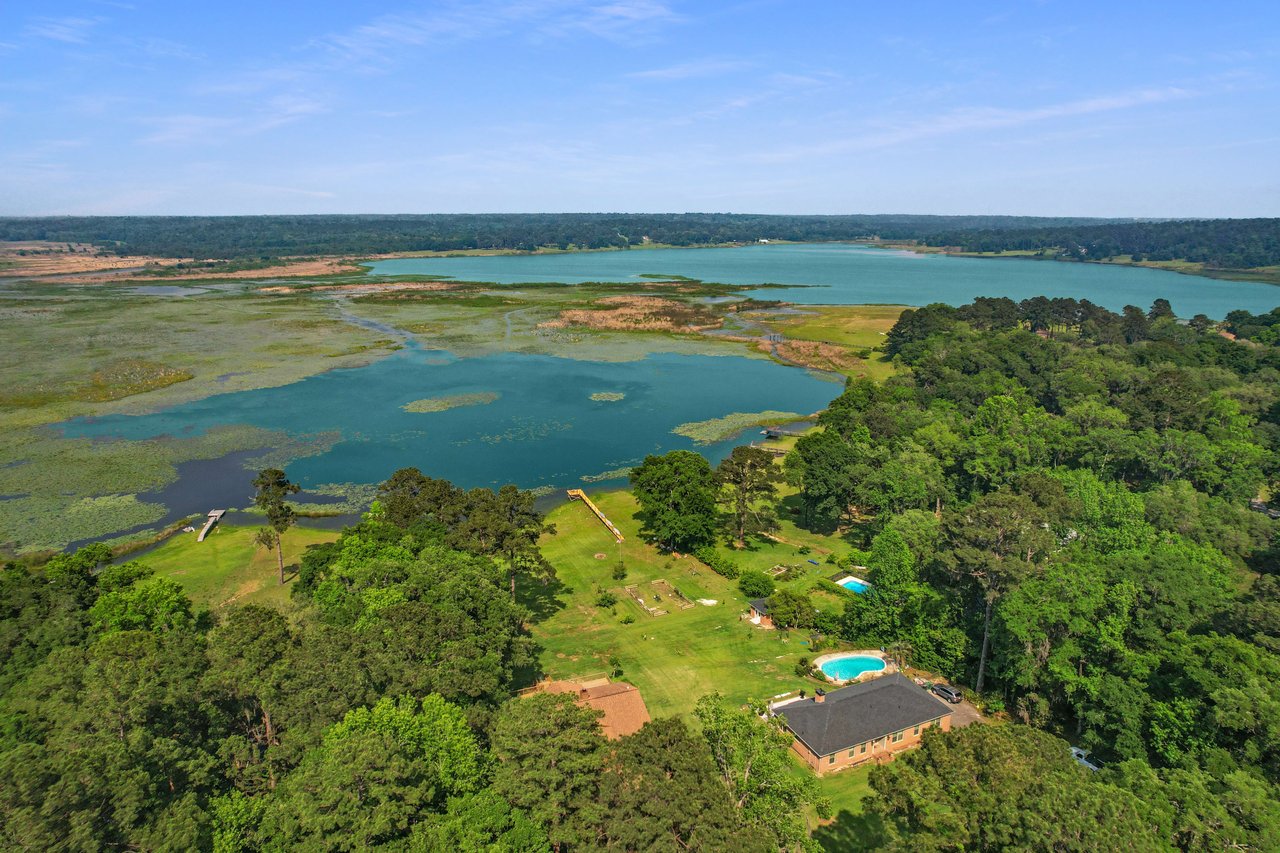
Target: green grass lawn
849 325
677 658
857 327
673 659
228 568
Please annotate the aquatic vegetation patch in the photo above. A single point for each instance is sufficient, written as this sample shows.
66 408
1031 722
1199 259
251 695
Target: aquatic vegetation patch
612 474
120 378
67 489
608 396
429 405
40 523
294 447
525 429
719 429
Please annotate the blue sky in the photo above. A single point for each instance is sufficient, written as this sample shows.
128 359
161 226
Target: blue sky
278 106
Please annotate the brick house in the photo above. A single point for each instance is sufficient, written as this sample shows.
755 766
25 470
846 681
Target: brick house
870 721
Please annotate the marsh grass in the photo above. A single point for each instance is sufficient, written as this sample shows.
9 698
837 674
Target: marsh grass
719 429
428 405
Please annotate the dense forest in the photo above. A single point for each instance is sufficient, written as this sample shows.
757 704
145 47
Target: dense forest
1063 521
276 236
381 717
1056 505
1216 243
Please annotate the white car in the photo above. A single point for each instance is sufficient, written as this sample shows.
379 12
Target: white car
1082 758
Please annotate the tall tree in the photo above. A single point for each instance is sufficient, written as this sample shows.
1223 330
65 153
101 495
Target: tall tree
754 762
677 496
551 755
1003 788
749 475
272 490
994 542
663 792
379 772
504 524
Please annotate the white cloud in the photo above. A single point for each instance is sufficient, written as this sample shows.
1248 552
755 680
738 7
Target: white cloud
70 30
688 70
373 42
977 118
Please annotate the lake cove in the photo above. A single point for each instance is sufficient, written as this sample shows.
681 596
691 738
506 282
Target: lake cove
849 274
539 426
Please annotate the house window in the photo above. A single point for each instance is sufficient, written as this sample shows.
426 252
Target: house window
897 736
916 731
863 749
832 759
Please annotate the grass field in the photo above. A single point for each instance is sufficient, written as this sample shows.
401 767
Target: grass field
228 568
673 659
856 327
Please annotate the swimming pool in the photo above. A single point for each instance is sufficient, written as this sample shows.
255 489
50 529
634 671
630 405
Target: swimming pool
850 667
854 584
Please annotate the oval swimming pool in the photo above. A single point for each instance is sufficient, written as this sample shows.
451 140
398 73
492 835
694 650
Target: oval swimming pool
848 668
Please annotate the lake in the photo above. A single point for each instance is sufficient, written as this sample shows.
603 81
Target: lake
527 419
849 274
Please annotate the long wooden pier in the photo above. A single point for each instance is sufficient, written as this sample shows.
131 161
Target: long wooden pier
215 515
579 495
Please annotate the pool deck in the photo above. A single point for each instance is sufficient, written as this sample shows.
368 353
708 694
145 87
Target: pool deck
841 577
889 666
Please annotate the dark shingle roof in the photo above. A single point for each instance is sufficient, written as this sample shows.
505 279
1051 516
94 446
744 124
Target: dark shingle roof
861 712
760 605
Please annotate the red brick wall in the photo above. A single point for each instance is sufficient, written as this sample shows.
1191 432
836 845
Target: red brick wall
875 749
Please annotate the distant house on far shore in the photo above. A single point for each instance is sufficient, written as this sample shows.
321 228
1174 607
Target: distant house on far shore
869 721
624 710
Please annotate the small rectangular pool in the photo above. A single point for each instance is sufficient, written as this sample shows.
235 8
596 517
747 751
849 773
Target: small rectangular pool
854 584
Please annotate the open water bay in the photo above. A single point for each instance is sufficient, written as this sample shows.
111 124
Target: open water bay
849 274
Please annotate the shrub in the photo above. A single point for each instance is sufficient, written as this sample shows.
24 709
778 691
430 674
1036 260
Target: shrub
711 558
802 667
620 571
628 619
755 584
606 599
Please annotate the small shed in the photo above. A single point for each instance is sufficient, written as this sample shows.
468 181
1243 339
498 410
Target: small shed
760 613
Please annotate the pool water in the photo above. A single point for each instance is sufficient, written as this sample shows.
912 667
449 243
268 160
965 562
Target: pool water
855 585
845 669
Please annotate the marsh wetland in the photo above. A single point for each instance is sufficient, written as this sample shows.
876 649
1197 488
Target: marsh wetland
128 404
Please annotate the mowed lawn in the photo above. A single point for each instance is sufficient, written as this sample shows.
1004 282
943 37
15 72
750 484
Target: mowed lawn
676 658
228 568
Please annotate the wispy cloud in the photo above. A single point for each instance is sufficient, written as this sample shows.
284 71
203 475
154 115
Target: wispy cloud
188 128
373 42
978 118
689 70
69 30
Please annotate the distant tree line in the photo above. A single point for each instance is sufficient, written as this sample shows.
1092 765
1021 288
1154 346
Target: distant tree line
280 236
1217 243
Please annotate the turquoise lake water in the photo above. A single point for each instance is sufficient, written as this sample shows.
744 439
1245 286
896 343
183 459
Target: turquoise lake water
542 430
845 274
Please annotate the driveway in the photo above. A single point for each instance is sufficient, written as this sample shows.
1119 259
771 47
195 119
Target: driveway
964 714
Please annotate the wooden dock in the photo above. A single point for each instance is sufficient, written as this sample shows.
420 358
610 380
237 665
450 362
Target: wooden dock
215 515
579 495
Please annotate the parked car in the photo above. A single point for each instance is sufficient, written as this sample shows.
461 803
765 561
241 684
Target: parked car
1082 758
948 693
